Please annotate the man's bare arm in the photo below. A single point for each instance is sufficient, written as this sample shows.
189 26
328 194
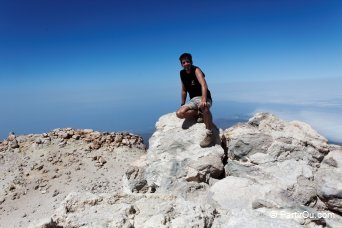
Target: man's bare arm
183 94
201 80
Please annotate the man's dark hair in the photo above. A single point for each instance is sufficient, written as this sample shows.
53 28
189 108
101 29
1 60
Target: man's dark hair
185 56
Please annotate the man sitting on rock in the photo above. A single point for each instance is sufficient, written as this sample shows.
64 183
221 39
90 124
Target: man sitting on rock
193 82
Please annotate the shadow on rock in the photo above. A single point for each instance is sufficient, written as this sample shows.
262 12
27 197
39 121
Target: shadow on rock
217 136
188 122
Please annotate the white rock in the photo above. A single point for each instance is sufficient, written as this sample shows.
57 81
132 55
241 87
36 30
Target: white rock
175 156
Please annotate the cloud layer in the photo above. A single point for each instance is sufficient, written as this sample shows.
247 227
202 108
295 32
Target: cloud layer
316 102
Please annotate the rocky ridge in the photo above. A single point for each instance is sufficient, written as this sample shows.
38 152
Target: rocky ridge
266 172
61 136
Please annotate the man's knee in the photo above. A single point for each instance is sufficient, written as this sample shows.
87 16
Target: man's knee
180 114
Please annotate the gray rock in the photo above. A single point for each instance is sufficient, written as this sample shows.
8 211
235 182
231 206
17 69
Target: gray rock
248 145
14 144
76 137
63 135
11 136
134 181
38 141
329 181
279 140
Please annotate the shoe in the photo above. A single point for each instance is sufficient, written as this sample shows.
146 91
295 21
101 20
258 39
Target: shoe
208 139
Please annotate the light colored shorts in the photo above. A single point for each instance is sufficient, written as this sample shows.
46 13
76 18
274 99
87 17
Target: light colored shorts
195 102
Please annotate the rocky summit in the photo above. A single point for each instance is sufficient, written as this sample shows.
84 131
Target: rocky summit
263 173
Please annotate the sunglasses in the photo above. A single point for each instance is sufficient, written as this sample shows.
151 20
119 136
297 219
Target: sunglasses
185 61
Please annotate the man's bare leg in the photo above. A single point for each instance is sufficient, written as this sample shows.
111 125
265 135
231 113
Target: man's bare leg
186 112
208 121
208 118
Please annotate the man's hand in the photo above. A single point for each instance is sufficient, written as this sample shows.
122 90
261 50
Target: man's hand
203 104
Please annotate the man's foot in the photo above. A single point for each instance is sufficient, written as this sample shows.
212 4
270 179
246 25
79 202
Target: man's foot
208 140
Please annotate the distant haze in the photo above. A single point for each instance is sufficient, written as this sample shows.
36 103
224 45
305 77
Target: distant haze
43 111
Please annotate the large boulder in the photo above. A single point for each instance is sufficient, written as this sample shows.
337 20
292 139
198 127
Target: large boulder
285 155
265 137
175 161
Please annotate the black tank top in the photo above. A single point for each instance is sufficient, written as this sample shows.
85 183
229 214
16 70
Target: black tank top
191 84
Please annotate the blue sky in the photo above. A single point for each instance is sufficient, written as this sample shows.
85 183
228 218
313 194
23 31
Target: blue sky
74 63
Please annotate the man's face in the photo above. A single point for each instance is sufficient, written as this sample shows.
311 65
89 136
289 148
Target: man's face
186 64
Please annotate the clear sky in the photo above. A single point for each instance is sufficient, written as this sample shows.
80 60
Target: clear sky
70 63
